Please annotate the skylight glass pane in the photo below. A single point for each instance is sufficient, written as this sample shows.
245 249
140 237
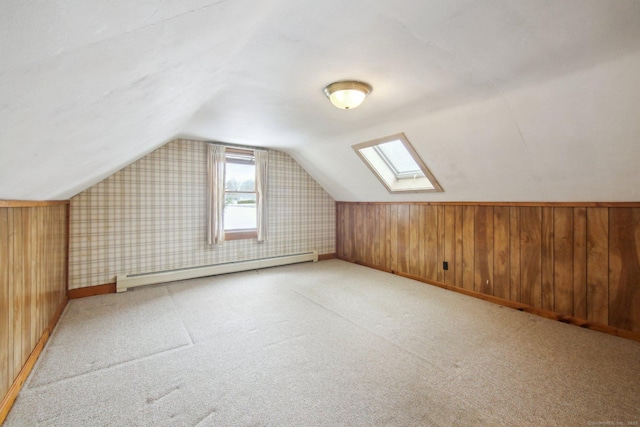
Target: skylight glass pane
396 154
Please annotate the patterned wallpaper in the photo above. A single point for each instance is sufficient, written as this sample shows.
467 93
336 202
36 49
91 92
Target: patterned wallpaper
151 216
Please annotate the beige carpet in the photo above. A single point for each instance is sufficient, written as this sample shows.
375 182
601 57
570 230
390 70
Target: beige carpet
324 344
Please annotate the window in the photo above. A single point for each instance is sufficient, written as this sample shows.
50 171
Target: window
240 195
397 165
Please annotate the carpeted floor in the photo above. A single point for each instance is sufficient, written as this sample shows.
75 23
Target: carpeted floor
322 344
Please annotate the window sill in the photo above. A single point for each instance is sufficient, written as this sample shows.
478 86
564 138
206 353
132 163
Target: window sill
241 235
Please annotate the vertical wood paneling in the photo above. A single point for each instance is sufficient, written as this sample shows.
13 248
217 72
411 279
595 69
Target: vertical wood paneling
404 236
367 250
468 246
580 262
38 282
501 255
359 249
33 281
12 295
547 293
531 256
44 237
514 254
440 239
449 244
383 226
5 298
563 260
484 250
375 227
423 240
598 265
342 239
459 242
29 281
353 229
361 225
624 263
347 232
431 242
341 231
393 237
577 261
370 234
414 240
18 285
343 234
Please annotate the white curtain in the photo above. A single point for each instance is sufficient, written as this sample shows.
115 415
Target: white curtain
215 193
262 161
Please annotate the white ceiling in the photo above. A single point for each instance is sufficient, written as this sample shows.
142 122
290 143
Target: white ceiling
504 100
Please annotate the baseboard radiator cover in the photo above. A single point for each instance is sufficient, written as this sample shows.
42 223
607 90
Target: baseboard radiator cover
126 281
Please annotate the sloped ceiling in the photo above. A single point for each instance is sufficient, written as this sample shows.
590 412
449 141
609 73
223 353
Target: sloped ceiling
504 100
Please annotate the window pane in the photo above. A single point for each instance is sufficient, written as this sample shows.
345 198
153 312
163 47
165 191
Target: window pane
240 211
399 158
240 177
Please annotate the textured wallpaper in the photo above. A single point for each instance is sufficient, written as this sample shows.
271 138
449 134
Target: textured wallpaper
151 216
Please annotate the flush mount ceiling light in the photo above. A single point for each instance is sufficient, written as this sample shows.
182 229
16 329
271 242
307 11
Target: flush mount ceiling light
347 95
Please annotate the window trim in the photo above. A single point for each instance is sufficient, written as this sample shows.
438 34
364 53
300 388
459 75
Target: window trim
241 233
412 152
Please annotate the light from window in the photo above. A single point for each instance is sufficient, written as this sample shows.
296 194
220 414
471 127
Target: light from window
240 213
397 165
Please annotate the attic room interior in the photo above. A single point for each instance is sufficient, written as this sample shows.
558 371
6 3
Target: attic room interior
198 227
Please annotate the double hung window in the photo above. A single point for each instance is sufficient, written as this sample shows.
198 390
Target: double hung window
236 193
240 195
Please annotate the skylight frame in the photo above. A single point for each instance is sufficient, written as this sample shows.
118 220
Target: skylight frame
395 182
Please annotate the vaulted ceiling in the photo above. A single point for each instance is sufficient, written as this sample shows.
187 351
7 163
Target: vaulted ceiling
505 100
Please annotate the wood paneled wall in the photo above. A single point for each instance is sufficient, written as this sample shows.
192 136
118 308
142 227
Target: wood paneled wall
581 261
33 284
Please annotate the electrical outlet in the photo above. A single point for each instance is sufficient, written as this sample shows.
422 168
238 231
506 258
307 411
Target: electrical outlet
445 265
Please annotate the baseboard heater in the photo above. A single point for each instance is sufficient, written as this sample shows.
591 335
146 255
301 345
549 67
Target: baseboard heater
126 281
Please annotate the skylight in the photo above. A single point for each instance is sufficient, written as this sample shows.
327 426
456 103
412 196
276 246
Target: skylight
397 165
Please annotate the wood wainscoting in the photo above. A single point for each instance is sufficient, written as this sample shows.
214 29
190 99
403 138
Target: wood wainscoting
34 240
579 261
